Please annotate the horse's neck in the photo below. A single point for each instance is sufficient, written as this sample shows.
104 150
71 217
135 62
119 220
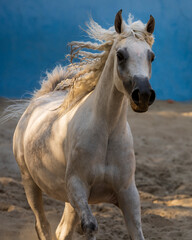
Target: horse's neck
109 103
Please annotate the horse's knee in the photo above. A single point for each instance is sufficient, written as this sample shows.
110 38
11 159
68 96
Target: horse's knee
89 226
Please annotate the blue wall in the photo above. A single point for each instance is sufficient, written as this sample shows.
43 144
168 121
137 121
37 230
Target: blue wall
34 35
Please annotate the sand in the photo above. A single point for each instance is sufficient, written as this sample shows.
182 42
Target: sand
163 148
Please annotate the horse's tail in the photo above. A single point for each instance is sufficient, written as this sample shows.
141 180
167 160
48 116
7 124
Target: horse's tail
14 111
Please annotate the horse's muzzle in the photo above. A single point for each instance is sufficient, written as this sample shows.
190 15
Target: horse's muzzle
142 95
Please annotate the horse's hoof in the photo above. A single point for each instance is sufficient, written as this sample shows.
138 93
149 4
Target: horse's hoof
88 227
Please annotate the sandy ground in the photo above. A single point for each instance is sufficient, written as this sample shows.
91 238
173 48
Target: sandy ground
163 147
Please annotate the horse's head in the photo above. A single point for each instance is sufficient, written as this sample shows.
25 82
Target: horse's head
133 65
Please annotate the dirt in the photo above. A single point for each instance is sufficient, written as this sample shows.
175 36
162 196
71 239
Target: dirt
163 148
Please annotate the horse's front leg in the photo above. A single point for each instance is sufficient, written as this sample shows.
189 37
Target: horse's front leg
78 196
129 203
67 224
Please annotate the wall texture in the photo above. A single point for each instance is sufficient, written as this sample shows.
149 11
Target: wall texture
34 36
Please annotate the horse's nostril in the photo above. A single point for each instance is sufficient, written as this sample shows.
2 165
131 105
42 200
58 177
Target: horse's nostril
135 96
152 97
146 97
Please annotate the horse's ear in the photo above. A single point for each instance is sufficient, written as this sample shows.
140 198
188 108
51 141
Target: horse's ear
118 21
150 25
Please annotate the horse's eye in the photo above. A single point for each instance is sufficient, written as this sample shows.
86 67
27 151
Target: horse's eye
120 56
152 57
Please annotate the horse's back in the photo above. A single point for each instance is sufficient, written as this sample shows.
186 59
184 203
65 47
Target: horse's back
36 145
37 108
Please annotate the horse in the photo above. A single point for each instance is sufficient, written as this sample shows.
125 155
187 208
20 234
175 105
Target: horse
73 141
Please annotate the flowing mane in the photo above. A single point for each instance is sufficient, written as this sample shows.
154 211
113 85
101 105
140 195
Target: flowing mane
81 77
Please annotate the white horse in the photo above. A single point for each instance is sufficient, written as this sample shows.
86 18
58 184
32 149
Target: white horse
73 141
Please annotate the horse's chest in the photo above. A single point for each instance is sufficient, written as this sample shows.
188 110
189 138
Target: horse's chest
116 168
108 177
